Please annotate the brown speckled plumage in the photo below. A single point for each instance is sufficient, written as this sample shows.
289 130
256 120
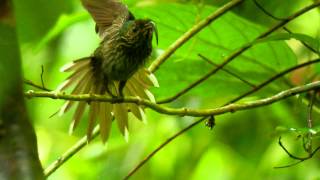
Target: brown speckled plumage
115 68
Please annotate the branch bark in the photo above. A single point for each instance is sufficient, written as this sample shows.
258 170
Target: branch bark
18 147
179 111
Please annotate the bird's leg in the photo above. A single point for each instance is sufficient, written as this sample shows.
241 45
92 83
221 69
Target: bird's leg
107 88
110 93
121 86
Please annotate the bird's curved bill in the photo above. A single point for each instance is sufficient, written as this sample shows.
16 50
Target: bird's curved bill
155 30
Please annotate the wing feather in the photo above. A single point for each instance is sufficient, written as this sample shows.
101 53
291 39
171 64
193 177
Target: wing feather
105 12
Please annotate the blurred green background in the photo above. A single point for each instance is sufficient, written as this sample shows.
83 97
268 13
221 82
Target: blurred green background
242 145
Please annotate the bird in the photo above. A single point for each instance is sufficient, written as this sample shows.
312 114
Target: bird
116 68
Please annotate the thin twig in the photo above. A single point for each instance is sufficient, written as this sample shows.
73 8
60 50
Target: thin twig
70 152
227 71
238 52
28 82
191 32
42 73
312 98
301 159
267 12
308 143
141 163
281 74
303 43
285 28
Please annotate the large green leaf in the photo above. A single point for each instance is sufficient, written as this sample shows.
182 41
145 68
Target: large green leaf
216 41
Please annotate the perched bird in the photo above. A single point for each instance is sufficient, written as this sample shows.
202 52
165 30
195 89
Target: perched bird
116 68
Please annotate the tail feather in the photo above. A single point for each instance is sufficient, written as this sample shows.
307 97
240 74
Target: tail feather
94 109
74 78
93 113
81 107
77 90
104 112
136 80
105 120
147 77
121 115
135 91
150 96
137 111
74 65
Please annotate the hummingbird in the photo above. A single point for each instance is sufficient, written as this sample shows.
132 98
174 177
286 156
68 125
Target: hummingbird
116 68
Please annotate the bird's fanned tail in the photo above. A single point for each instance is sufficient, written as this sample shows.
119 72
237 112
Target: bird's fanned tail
102 113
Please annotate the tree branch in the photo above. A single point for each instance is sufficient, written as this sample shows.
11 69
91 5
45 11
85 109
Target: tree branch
69 153
18 145
30 83
275 77
279 19
179 111
191 32
238 52
161 146
227 71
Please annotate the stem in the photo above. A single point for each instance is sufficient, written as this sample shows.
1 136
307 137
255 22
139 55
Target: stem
191 32
281 74
238 52
70 152
161 146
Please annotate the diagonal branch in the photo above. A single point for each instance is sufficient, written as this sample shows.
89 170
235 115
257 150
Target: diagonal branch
227 71
285 28
238 52
275 77
68 154
160 147
191 32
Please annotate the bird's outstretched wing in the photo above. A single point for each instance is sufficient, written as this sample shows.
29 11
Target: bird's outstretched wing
106 13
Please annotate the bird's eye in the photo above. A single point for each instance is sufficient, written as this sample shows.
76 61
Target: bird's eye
134 29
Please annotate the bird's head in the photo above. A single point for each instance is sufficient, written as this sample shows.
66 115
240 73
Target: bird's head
137 33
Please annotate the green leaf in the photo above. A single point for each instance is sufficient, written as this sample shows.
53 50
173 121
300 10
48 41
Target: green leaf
315 131
215 42
308 40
